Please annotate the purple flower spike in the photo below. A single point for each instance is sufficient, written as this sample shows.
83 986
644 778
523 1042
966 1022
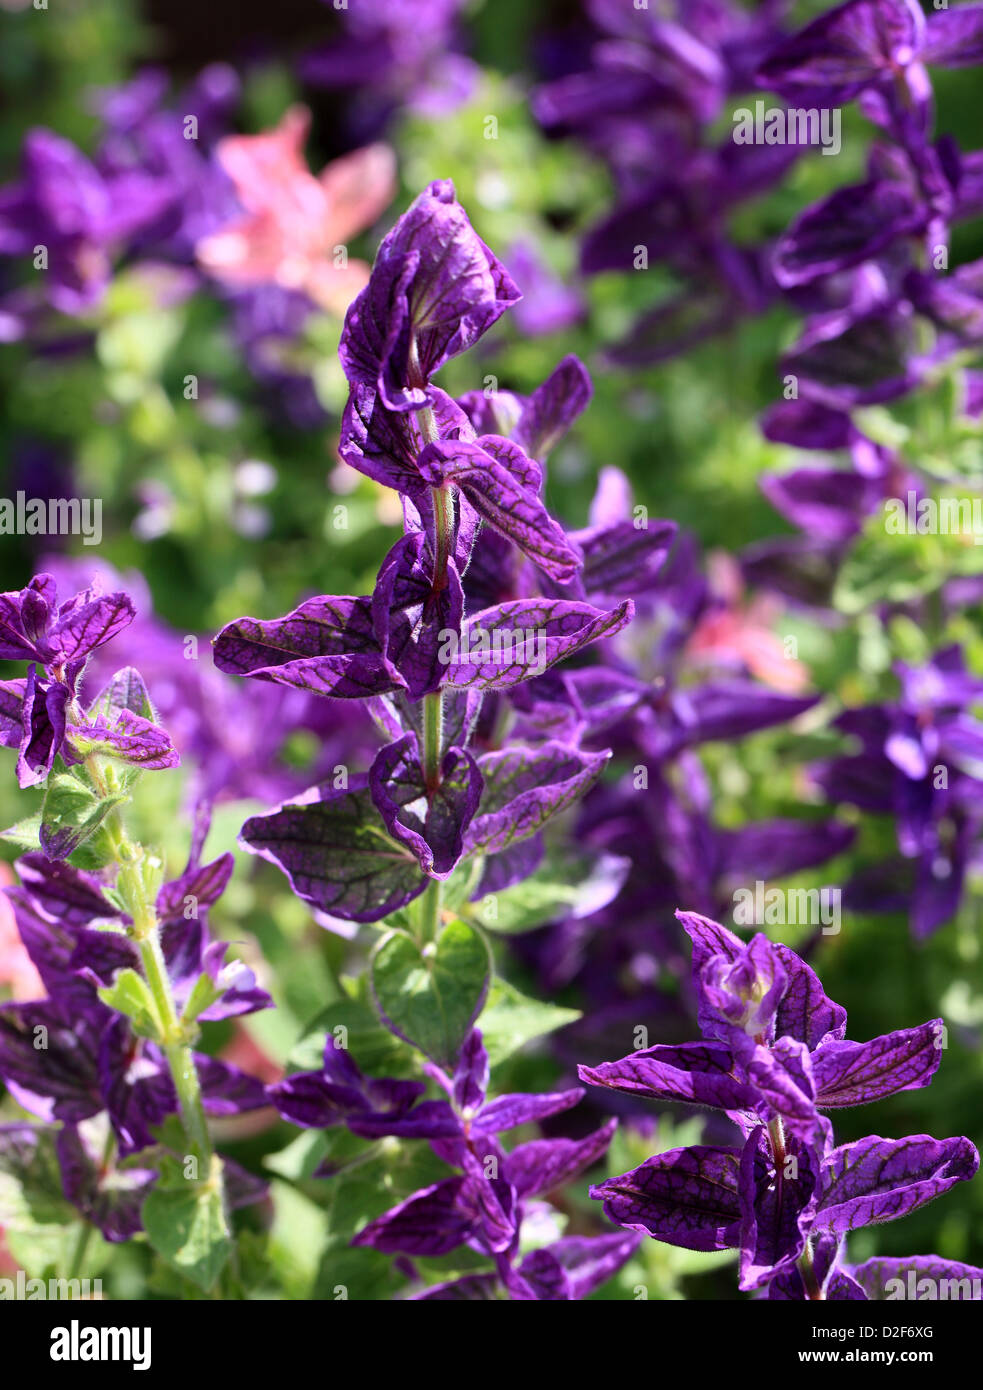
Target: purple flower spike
777 1055
852 47
435 290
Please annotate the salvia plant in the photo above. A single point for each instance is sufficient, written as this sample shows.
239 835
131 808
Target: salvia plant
515 753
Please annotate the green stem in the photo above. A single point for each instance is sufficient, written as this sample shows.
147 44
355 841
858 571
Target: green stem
81 1246
179 1054
433 735
145 933
432 906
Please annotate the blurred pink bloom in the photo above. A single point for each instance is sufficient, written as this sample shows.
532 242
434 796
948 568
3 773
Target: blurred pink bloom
17 973
735 632
295 225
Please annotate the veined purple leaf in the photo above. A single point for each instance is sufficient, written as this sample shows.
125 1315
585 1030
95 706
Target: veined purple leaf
130 738
494 476
954 37
806 1013
574 1266
326 646
686 1197
411 617
11 712
126 690
544 1164
88 621
777 1205
852 1073
879 1179
524 788
695 1073
847 49
502 646
884 1277
435 289
431 1222
385 444
336 853
509 1111
552 408
623 558
852 225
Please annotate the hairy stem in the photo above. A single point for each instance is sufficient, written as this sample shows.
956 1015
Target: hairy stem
145 933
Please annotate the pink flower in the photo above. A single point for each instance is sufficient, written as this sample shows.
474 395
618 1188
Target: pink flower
295 226
735 632
17 972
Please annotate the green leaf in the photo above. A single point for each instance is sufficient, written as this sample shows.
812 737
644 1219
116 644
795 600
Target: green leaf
566 884
355 1026
31 1191
511 1019
130 995
203 994
25 835
97 851
71 813
431 996
187 1226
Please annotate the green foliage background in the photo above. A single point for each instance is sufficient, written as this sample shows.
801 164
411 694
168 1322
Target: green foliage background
686 434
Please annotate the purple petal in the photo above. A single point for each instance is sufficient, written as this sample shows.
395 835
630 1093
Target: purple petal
623 558
946 1279
805 1012
545 1164
852 225
493 474
506 1112
205 883
552 408
326 646
845 50
589 1261
110 1200
471 1073
434 290
88 621
411 617
11 712
954 37
386 444
131 738
777 1205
